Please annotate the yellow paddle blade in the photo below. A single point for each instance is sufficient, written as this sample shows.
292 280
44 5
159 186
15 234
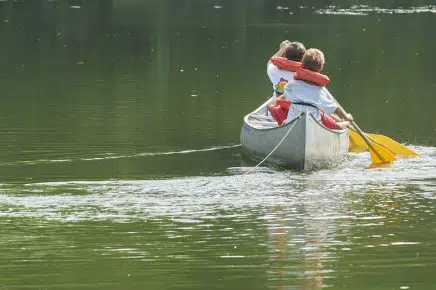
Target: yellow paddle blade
357 144
380 155
392 145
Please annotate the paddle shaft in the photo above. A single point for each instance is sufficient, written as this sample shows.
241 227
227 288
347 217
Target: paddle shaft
361 133
368 142
365 137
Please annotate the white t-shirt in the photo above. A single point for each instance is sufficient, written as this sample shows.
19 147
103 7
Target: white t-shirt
277 75
298 91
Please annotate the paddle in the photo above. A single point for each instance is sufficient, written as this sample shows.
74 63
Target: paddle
379 154
357 144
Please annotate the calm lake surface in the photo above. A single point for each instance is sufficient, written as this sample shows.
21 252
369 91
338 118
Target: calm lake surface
120 164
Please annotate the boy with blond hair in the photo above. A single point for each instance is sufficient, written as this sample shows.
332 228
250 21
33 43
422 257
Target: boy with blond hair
307 92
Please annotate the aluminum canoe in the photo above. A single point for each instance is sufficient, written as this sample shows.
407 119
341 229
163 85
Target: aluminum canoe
307 145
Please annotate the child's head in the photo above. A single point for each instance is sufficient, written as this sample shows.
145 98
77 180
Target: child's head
313 60
295 51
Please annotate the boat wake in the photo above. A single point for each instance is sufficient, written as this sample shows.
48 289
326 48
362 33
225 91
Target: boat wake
109 156
195 197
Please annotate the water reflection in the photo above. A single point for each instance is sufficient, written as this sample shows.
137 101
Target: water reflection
299 250
304 230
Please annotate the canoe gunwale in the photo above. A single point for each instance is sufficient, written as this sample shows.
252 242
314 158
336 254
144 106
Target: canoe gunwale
247 122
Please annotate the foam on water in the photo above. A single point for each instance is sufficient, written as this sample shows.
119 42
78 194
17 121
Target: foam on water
363 10
317 223
205 196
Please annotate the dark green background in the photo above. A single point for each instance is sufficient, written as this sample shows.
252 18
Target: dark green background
145 76
101 99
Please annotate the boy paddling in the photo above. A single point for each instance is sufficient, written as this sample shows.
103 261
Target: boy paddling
307 92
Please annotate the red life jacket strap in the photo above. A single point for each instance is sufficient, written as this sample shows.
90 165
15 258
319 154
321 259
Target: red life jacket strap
286 64
311 76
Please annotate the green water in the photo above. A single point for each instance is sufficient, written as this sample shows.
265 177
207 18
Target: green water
119 159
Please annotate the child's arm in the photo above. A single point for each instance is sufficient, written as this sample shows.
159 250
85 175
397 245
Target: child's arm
281 51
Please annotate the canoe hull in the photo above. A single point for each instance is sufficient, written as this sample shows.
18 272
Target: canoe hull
307 145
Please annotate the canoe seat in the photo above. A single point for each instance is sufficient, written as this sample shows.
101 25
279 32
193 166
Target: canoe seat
262 124
262 121
262 117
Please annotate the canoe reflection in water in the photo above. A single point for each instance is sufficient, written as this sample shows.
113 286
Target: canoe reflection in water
299 248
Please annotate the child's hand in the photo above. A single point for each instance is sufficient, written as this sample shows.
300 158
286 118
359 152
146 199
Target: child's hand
284 44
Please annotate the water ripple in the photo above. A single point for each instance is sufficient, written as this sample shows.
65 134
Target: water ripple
363 10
